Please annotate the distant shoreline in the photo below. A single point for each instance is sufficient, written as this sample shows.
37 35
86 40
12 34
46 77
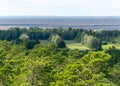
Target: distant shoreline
80 22
82 27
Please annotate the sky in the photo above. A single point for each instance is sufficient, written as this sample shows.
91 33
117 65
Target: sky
59 7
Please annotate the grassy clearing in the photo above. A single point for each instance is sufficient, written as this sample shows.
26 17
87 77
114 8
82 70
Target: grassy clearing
75 45
44 41
117 46
70 44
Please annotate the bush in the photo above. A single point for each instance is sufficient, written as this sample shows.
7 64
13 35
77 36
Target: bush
31 43
61 44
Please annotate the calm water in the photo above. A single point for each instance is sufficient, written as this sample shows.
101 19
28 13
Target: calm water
54 22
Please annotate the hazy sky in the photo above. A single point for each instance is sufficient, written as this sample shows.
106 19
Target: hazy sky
60 7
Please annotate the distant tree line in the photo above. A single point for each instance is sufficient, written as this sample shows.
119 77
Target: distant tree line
35 33
90 38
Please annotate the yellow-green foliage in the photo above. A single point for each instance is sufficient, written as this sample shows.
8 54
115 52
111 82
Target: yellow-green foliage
85 72
48 65
24 37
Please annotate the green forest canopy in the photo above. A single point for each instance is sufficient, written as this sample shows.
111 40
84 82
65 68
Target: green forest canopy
24 61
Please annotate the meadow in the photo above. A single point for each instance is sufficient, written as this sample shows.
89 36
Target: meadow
106 47
76 45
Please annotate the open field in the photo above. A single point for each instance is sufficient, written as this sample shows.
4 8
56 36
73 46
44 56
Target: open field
77 46
70 44
74 45
44 41
82 47
117 46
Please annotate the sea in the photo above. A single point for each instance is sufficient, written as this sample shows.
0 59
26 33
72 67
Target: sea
78 22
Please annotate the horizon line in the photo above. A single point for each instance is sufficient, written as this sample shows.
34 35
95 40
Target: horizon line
50 16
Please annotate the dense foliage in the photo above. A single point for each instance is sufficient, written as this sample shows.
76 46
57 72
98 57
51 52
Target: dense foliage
35 33
48 65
